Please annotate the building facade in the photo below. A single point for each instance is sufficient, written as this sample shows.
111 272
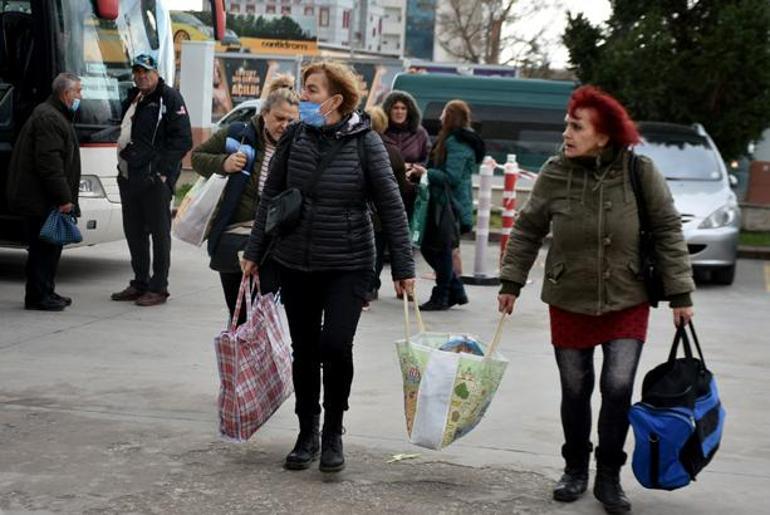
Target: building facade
373 25
420 29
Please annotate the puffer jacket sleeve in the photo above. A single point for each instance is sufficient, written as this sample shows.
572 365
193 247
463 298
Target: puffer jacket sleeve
274 185
385 194
666 225
531 227
209 157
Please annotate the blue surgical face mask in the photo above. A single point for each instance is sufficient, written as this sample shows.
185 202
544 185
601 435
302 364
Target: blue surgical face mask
75 105
310 113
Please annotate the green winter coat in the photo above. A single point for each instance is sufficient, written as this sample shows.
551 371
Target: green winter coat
592 265
209 157
455 172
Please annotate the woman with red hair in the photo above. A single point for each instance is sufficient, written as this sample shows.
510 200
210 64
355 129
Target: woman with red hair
592 285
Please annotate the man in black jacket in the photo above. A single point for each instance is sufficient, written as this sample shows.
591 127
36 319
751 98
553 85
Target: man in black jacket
44 174
155 134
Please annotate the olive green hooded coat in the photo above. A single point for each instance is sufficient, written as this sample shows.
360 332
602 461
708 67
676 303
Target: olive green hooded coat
592 265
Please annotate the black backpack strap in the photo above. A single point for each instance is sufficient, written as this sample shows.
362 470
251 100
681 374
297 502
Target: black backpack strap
636 186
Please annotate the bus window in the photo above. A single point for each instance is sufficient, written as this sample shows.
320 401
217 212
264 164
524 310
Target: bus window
100 52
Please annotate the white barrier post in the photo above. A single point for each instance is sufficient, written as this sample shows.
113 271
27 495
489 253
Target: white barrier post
480 277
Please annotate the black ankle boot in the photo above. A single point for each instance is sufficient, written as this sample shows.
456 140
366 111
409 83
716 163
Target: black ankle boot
435 304
573 484
332 457
457 299
608 491
306 449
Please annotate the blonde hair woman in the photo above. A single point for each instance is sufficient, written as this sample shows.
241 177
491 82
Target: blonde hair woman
242 151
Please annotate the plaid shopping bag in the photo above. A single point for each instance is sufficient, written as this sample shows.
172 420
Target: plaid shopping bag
254 362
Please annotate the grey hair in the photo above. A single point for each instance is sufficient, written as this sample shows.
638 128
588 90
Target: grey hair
64 82
281 89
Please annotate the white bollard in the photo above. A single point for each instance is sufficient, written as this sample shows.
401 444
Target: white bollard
480 276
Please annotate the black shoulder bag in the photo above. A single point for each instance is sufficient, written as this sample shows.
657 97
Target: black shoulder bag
648 267
285 209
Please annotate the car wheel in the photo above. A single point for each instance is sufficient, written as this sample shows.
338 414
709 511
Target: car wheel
724 275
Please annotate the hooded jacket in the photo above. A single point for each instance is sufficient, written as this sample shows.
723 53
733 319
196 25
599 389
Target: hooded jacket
592 265
44 171
411 139
335 229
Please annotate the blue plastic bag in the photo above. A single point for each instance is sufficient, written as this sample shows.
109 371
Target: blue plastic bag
60 229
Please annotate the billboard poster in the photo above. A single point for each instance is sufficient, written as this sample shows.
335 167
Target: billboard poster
238 78
274 34
375 80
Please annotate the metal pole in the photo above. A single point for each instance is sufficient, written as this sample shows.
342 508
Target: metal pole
480 277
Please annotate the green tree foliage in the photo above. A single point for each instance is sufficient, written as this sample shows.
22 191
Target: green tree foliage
249 26
683 61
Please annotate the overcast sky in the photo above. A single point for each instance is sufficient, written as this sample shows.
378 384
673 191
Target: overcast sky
596 10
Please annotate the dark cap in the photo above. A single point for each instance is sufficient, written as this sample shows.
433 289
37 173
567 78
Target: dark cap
145 61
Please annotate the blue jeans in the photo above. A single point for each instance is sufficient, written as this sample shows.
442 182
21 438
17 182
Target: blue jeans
576 371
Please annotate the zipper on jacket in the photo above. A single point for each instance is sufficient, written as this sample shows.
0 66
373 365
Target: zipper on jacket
600 251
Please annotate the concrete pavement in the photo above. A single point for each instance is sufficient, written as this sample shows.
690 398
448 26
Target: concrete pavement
111 408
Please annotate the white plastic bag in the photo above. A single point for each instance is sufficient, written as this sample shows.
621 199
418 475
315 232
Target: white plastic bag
194 215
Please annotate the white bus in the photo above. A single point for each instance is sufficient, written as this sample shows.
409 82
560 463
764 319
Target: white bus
95 39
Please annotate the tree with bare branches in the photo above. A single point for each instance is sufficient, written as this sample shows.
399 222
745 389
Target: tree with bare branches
484 31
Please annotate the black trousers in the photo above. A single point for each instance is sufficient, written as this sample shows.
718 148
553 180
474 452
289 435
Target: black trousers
323 309
42 262
576 370
448 285
231 285
147 214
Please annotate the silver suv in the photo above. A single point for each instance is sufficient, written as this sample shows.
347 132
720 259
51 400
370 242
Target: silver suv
701 186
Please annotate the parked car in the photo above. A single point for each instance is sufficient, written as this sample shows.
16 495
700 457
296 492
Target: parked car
240 113
701 187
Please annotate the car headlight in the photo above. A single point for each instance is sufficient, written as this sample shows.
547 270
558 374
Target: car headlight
722 217
91 187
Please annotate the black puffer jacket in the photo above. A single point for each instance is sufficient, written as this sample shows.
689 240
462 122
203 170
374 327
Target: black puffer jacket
44 171
335 231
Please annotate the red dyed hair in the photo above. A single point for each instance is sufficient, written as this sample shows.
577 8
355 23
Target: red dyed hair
609 116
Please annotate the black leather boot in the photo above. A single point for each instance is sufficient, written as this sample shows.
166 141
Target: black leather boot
608 491
332 458
306 449
573 484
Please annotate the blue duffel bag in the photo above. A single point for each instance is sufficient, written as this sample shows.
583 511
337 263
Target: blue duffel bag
678 423
60 229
